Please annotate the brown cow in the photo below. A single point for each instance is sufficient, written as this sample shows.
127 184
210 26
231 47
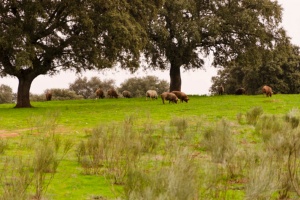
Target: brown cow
181 95
240 91
126 94
100 93
48 95
112 93
267 90
220 89
169 96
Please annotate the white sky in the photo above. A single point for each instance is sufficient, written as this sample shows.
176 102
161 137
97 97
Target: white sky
193 82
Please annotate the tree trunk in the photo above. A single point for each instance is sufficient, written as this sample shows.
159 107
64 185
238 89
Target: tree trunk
175 78
23 100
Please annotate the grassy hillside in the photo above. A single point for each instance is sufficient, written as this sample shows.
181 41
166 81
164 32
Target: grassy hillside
209 148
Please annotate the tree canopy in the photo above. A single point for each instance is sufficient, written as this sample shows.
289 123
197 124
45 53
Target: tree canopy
187 30
44 37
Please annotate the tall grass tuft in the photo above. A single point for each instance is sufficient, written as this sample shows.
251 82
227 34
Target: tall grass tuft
219 141
177 180
268 125
293 118
112 149
16 178
282 144
181 125
45 124
261 179
253 115
47 157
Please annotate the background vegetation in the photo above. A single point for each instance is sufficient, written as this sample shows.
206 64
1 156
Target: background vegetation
214 147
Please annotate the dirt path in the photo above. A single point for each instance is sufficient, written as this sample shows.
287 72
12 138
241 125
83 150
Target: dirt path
6 134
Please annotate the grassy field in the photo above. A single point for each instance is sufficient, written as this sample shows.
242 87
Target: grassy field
160 134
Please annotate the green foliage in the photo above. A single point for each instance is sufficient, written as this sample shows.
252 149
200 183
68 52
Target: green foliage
6 94
139 86
39 38
64 94
184 32
278 67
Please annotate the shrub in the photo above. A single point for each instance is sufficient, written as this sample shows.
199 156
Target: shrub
6 94
219 142
87 88
253 115
177 180
64 94
293 118
139 86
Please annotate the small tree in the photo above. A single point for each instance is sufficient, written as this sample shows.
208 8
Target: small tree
6 94
87 88
64 94
139 86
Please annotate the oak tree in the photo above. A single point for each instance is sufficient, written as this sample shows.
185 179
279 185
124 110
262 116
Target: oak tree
45 37
187 30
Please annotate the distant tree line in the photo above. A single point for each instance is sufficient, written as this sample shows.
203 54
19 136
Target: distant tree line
84 88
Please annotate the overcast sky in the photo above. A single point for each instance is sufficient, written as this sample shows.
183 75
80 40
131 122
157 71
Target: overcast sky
193 82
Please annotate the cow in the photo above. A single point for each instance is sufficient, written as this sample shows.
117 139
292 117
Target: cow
112 93
267 90
220 89
100 93
171 97
240 91
151 94
126 94
48 95
181 95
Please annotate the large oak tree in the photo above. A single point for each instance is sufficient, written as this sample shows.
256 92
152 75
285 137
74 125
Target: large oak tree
46 36
187 30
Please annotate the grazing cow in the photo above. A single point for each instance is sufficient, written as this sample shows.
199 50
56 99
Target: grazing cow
112 93
240 91
220 90
48 95
151 94
126 94
267 90
171 97
100 93
181 95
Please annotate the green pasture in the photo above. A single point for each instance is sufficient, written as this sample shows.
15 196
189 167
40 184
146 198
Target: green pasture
74 120
82 114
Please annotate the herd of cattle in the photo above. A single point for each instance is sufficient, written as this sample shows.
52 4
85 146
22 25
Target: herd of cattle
173 96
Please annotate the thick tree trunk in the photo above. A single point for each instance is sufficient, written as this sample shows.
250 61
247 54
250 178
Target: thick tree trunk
175 78
23 100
